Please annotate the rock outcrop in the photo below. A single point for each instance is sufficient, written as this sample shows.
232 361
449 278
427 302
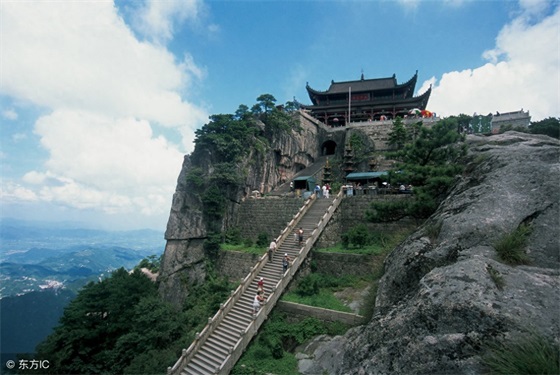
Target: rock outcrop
437 303
265 167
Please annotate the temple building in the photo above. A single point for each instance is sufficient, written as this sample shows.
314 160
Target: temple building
366 100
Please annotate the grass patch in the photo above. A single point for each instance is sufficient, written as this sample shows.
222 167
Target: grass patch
496 277
531 354
366 250
271 351
318 290
432 231
243 248
324 299
379 244
511 247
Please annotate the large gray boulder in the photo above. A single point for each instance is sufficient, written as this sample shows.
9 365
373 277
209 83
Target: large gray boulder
437 303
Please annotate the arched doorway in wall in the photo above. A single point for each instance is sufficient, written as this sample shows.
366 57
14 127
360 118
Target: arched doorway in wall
328 148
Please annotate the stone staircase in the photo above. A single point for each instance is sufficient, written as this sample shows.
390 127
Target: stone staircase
218 347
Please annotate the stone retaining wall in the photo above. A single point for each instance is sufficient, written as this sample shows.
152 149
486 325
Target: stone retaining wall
337 264
352 211
320 313
266 215
236 265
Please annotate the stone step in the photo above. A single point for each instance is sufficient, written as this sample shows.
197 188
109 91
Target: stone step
196 367
225 336
218 348
209 358
216 342
231 322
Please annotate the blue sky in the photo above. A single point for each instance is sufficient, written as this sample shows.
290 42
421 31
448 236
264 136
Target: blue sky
99 100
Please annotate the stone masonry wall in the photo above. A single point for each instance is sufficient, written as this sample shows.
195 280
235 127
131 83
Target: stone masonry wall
266 215
352 211
236 265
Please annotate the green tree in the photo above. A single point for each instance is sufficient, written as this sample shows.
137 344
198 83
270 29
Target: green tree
398 134
152 262
242 112
549 126
430 164
156 329
225 136
291 106
266 102
92 324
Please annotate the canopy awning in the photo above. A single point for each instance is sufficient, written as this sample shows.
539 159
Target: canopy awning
304 182
365 175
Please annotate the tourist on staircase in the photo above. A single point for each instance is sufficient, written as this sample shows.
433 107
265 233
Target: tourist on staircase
260 285
271 250
317 191
300 235
257 301
285 263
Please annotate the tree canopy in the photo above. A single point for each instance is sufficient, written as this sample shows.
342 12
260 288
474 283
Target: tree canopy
429 163
549 126
120 325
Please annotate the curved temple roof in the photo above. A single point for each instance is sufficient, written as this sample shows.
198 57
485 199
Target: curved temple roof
362 85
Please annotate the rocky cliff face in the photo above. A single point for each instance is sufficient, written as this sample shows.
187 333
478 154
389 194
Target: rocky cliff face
437 303
184 259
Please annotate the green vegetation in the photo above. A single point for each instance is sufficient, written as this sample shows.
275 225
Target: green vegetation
432 231
121 326
496 277
549 126
218 173
361 150
251 249
398 135
376 243
318 290
430 163
511 247
152 262
530 354
271 350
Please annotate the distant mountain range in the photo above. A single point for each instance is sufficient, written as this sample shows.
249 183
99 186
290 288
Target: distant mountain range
43 266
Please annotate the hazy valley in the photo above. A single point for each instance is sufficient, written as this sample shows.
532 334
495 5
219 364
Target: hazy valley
42 267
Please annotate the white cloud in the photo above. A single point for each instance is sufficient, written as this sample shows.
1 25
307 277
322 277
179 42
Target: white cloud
103 91
19 137
522 72
156 19
105 162
12 192
10 114
82 55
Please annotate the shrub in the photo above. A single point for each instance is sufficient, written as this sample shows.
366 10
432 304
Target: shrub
496 277
309 285
233 236
531 354
262 239
356 237
382 211
212 246
511 247
195 178
432 231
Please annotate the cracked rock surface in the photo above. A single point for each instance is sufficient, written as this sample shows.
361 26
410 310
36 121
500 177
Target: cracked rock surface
438 301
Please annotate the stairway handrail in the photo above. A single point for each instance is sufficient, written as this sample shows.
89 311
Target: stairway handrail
278 289
201 337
